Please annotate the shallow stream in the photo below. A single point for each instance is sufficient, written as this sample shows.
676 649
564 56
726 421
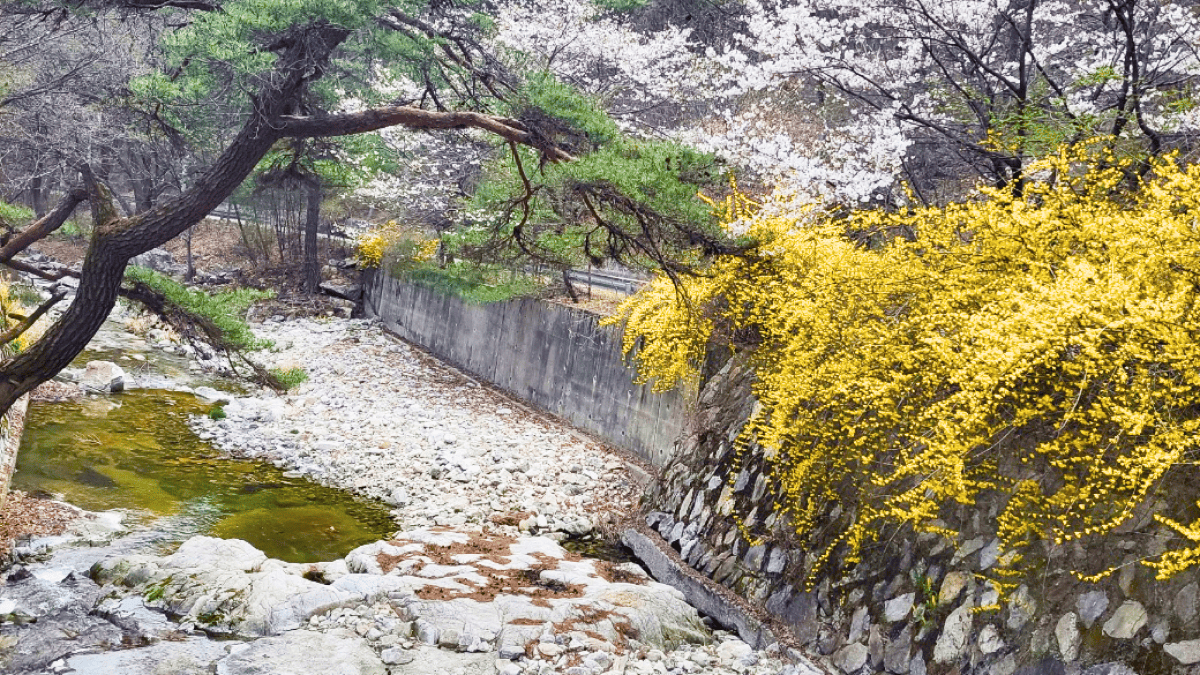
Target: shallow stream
134 451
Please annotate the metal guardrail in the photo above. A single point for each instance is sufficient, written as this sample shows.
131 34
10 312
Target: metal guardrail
611 281
620 283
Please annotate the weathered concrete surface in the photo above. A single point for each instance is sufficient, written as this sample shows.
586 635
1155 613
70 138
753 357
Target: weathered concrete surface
11 426
554 357
698 594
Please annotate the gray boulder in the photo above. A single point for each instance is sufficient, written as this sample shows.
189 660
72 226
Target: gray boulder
223 584
103 376
159 260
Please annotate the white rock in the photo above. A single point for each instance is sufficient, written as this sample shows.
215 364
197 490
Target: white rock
1186 652
851 658
732 650
1129 618
990 641
104 376
1066 631
304 652
393 656
955 631
897 608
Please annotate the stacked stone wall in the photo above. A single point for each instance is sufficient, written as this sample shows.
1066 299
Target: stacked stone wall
915 604
918 603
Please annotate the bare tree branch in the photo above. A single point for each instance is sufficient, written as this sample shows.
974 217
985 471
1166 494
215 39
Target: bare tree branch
41 228
416 118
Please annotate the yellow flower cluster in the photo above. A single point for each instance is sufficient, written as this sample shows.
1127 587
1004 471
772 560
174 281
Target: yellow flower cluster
393 241
1041 344
11 308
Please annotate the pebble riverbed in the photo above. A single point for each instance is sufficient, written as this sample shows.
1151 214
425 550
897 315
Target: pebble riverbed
381 419
378 417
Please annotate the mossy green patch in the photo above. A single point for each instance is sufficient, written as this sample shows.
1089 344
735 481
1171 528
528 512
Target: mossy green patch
135 451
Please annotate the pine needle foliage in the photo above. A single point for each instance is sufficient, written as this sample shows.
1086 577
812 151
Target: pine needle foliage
620 198
1037 344
220 316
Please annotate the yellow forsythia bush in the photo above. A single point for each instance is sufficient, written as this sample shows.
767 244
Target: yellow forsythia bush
1041 344
392 241
11 308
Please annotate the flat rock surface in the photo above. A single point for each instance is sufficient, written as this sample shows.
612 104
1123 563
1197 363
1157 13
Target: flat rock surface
194 656
304 652
465 591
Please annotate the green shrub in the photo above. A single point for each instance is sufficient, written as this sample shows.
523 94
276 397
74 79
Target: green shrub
26 296
474 283
290 378
14 215
224 310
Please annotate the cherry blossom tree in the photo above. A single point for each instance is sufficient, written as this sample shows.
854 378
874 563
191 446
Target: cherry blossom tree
983 85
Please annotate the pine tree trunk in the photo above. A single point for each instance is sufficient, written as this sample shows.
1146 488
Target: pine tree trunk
116 240
312 264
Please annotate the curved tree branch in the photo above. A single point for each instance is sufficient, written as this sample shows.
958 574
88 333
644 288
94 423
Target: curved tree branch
415 118
41 228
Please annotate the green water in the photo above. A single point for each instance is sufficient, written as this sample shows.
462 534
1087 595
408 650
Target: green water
134 451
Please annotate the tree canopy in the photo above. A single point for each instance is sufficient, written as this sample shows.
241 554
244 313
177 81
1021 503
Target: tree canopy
281 72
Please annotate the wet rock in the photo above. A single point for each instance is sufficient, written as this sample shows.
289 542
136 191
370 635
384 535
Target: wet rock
210 395
133 617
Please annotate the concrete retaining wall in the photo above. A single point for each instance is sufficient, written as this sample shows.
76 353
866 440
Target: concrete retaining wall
11 426
554 357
